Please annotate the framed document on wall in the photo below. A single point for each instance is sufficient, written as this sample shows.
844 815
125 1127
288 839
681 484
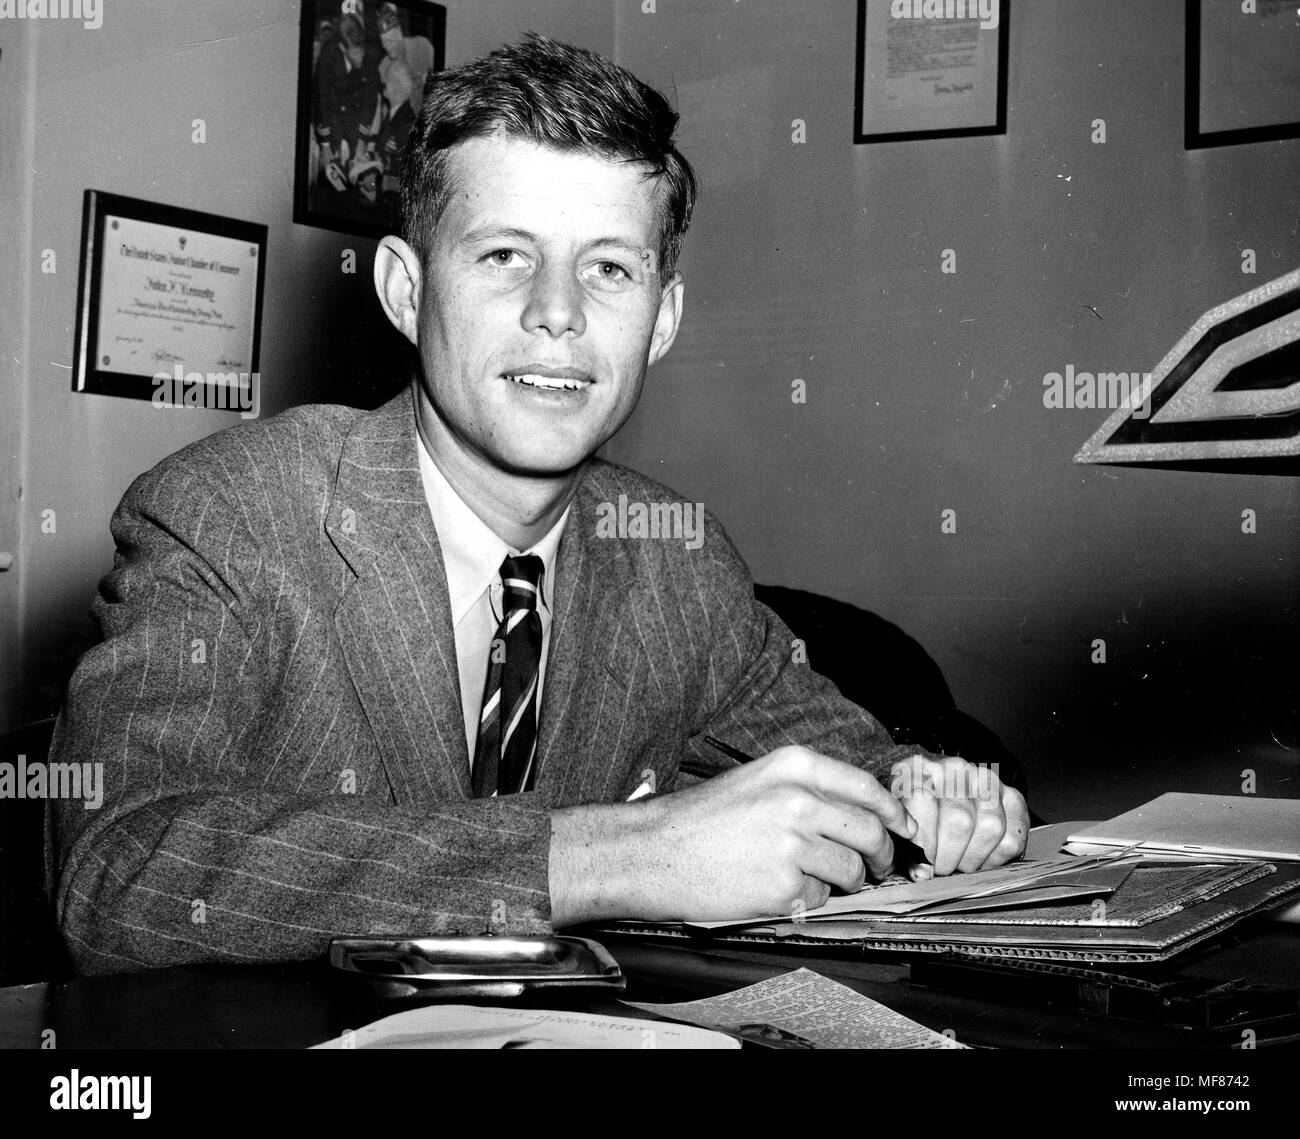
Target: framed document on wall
927 75
1243 72
165 291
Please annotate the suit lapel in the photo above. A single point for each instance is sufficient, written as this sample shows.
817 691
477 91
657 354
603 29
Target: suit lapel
394 625
591 657
394 620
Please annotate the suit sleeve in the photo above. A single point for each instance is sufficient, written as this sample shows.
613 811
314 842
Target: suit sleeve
759 693
210 844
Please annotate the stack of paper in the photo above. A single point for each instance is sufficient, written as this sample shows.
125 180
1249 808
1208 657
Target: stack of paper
1201 828
475 1026
1020 884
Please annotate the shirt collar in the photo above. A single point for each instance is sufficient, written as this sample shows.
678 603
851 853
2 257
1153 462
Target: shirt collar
471 552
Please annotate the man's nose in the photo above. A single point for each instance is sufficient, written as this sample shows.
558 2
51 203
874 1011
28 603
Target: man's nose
555 303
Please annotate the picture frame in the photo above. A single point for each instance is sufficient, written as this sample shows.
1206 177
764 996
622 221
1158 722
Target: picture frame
925 78
167 290
1243 73
361 74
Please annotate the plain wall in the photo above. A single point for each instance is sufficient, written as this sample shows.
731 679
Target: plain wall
821 262
112 109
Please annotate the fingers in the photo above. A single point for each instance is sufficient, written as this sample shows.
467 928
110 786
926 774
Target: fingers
834 865
854 835
933 792
956 827
990 825
1013 841
1008 834
924 808
836 780
813 895
832 814
967 820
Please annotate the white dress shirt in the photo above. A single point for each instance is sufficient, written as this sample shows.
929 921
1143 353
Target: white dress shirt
472 555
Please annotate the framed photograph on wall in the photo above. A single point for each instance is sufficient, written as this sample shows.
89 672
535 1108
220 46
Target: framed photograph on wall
361 74
168 292
1243 72
930 76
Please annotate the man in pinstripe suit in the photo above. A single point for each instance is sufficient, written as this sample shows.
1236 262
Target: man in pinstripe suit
288 696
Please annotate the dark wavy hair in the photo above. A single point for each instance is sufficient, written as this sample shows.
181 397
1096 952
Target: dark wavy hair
556 95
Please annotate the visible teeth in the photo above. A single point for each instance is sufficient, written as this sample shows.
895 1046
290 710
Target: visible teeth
554 383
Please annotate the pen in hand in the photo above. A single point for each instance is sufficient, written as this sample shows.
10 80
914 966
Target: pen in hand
905 850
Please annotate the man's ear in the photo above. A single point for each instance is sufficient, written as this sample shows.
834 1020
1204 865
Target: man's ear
668 320
397 281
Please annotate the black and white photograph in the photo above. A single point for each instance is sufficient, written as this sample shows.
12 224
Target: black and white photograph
361 79
671 526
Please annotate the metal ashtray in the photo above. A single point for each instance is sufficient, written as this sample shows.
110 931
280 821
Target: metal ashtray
442 968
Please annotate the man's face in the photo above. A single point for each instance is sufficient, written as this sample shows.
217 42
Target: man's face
541 305
399 86
356 55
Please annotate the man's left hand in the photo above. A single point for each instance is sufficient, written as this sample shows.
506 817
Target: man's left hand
968 819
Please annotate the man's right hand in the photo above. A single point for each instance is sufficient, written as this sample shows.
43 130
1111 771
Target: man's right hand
770 837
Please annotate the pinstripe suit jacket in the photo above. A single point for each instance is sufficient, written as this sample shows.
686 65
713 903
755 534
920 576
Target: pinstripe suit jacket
277 708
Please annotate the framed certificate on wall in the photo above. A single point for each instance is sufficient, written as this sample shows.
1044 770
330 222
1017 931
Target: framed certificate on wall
930 69
165 291
1243 72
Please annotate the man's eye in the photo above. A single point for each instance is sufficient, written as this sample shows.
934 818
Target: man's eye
609 273
505 259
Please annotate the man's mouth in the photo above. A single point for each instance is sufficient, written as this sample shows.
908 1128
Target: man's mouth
551 379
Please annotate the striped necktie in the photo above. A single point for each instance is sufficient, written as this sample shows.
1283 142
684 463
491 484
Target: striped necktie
507 727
